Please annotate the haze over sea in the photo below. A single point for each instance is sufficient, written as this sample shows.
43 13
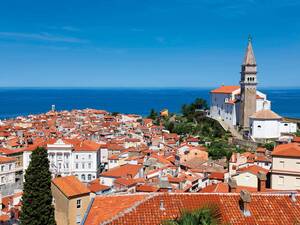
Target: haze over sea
23 101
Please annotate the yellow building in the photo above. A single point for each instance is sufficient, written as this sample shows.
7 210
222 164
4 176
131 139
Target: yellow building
71 199
164 113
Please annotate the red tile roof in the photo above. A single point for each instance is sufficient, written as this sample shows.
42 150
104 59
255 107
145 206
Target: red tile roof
146 209
287 150
254 169
225 89
106 207
146 188
128 182
4 159
216 176
122 171
296 139
70 186
224 188
95 186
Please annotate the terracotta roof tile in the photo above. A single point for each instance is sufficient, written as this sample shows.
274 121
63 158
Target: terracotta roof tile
122 171
144 209
287 150
225 89
70 186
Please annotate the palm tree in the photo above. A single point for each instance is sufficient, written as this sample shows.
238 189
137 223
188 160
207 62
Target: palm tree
207 215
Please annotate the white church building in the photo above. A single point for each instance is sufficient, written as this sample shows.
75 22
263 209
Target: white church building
245 108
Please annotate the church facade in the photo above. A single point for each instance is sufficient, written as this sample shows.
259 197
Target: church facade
247 109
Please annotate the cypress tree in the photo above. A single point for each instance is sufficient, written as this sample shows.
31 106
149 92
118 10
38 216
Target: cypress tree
37 208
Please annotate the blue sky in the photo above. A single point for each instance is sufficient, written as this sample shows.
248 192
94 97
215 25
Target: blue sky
148 43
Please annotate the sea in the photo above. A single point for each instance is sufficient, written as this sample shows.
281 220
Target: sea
24 101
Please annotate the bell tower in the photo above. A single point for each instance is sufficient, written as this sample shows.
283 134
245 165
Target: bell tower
248 85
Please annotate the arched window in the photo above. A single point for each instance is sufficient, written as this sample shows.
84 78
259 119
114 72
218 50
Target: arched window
89 176
82 177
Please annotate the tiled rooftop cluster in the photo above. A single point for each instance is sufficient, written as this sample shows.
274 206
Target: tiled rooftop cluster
110 156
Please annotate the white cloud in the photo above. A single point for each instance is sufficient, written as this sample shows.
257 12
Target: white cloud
41 37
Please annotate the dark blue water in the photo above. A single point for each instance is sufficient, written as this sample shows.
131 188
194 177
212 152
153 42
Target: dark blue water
16 101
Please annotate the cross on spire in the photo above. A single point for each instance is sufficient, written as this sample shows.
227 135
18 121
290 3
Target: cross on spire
249 38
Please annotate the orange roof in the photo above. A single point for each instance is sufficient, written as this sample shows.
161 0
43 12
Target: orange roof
224 188
146 188
217 175
296 139
126 181
70 186
106 207
261 150
122 171
225 89
95 186
4 159
155 208
254 169
288 150
4 218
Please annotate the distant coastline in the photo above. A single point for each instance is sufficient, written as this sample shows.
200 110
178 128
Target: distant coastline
17 101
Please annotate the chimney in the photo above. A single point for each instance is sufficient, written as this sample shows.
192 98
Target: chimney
232 185
261 181
244 202
293 196
161 205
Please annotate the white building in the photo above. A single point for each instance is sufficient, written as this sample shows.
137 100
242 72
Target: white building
7 171
225 104
246 108
285 173
72 157
266 124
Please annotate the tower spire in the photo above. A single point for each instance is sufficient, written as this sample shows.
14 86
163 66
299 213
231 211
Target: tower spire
249 58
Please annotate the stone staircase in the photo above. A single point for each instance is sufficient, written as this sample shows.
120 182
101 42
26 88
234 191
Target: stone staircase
229 128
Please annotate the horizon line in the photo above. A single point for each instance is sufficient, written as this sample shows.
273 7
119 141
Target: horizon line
134 87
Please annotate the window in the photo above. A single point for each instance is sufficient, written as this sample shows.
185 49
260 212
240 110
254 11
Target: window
90 165
2 180
76 156
259 126
281 163
82 177
82 165
76 165
281 180
89 177
10 166
59 156
90 156
285 124
67 165
78 219
2 168
78 203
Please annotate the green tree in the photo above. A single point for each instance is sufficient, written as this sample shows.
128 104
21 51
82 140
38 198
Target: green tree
270 146
153 114
208 215
37 208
